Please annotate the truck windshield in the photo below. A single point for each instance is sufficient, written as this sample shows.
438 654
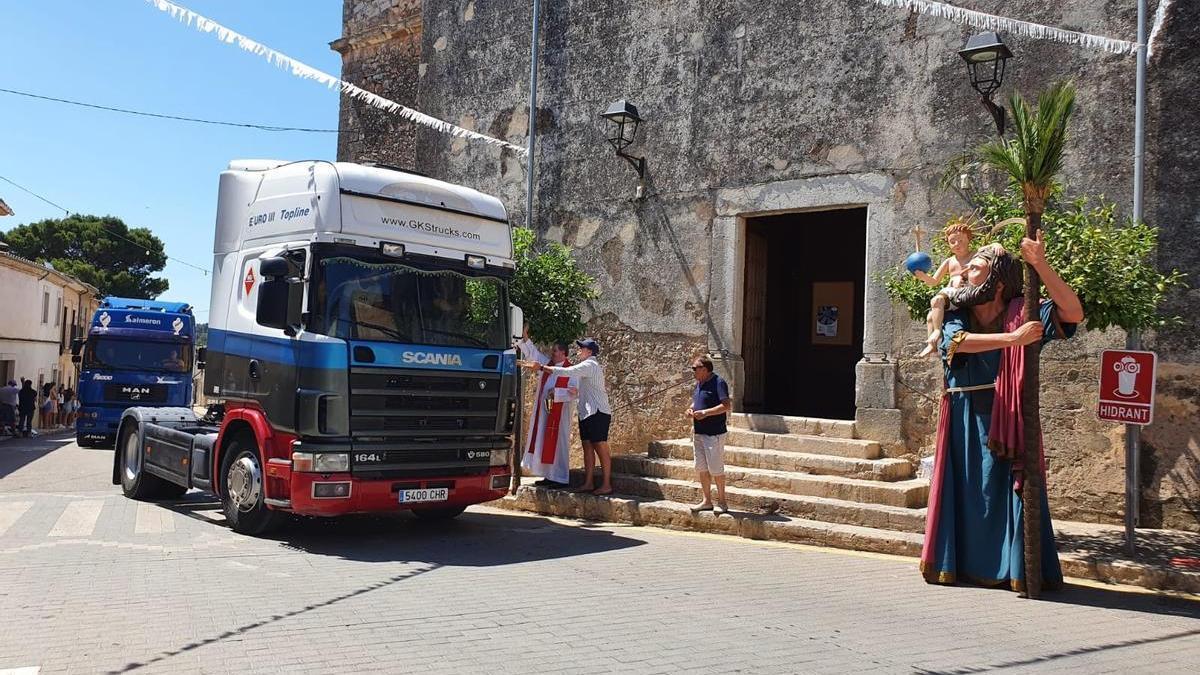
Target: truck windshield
115 354
365 298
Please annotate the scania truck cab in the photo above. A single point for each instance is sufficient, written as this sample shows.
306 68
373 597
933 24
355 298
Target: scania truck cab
359 334
136 352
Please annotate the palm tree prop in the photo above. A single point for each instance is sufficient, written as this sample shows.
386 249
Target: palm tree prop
1032 158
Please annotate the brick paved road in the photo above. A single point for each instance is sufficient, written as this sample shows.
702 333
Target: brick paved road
91 582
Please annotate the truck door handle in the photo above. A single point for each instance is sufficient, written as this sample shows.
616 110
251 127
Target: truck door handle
255 370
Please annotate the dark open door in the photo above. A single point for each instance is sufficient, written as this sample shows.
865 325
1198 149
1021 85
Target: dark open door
805 276
754 317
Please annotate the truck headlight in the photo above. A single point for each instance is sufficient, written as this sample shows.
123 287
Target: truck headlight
320 462
500 457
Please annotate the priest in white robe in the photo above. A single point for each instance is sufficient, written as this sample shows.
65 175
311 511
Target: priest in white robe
547 449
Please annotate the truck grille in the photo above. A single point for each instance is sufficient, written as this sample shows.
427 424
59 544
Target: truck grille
136 393
423 421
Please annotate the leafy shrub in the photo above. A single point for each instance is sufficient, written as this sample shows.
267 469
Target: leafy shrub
549 287
1110 265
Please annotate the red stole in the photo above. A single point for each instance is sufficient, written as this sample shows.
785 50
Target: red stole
553 422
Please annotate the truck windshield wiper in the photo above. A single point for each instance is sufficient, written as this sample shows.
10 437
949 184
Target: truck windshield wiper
479 343
390 331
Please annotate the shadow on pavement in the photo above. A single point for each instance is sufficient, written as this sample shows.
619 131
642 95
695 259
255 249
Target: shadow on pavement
1051 658
471 540
235 633
18 452
1149 603
474 539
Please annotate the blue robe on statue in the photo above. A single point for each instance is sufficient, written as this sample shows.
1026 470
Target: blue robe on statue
974 525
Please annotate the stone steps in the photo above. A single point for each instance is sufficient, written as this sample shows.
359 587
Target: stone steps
675 515
754 500
787 460
816 445
904 494
783 424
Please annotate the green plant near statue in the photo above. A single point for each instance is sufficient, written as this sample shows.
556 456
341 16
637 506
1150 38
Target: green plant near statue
1109 263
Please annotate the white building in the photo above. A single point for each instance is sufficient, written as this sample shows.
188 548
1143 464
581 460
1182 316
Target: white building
41 311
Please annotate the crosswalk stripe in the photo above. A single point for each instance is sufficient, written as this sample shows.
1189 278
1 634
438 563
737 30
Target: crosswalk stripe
9 513
152 519
78 520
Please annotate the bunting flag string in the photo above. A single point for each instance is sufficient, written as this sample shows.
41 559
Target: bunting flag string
303 70
1160 17
984 21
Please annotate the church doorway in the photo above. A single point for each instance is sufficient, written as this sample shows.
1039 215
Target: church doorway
802 319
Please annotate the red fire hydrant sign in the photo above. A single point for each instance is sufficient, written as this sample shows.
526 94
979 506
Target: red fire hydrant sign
1127 386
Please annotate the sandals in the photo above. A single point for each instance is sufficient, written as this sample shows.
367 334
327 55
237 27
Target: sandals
701 507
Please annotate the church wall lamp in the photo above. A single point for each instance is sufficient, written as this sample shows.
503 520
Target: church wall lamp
986 55
625 118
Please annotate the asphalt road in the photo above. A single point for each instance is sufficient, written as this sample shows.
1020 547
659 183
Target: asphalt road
93 582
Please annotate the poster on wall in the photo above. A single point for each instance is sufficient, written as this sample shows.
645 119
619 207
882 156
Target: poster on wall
833 313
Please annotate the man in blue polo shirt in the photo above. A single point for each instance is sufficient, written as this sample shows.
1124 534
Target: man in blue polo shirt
710 407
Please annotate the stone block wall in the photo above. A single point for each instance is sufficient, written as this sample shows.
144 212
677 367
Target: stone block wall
764 97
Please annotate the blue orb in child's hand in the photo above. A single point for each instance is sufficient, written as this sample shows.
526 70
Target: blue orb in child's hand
918 261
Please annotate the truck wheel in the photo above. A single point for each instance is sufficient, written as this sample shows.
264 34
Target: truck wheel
242 492
136 483
82 442
445 513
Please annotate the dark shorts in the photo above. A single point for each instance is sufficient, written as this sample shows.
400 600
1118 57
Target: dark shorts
594 428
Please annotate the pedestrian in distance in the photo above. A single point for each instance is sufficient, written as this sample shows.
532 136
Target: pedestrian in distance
49 407
9 400
709 412
595 415
70 404
27 404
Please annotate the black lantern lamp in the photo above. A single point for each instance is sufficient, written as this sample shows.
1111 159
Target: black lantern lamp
625 116
986 55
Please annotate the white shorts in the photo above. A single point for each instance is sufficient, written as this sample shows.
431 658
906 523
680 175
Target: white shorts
709 452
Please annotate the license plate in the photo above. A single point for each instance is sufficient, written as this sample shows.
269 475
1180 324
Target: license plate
424 495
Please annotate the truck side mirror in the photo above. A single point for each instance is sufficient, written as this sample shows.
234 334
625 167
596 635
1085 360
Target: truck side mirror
279 303
279 296
516 320
201 357
273 267
76 348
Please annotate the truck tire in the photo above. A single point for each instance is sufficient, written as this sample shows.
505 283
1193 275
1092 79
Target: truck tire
82 442
135 482
242 490
444 513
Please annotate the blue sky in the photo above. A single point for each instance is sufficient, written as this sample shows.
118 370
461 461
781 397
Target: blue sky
155 173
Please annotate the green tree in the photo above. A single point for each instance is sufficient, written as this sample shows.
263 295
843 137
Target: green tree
549 286
100 250
1109 263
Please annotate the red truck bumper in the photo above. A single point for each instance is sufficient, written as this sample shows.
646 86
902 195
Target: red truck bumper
380 496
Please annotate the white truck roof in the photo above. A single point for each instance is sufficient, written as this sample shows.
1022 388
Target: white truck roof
268 201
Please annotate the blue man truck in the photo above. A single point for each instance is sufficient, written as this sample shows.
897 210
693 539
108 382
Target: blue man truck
136 353
359 348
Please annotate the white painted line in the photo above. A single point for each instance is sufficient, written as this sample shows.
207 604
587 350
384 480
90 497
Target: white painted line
79 520
27 670
10 512
152 519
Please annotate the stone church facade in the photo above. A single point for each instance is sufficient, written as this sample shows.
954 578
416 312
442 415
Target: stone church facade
791 148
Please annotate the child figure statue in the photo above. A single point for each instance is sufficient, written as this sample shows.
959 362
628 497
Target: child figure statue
958 236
